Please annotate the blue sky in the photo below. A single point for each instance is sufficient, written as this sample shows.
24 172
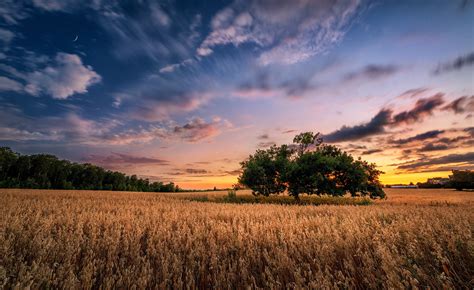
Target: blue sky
184 90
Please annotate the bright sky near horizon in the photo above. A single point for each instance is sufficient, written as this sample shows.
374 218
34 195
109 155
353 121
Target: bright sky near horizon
183 91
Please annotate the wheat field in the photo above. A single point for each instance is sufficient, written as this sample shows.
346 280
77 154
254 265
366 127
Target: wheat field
92 239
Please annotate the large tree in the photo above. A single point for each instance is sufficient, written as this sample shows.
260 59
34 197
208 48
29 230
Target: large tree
309 167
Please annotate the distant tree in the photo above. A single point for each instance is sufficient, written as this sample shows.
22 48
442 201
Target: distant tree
462 179
310 168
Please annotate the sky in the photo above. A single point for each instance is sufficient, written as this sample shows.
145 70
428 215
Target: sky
183 91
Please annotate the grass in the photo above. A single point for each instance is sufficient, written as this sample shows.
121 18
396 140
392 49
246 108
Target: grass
232 197
94 239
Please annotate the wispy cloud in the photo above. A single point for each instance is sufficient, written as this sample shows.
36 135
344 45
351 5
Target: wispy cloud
433 163
419 137
7 84
288 31
123 159
461 105
197 129
423 107
456 64
372 72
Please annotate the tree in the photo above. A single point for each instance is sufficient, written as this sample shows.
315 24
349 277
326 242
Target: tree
47 171
305 140
310 168
462 179
264 171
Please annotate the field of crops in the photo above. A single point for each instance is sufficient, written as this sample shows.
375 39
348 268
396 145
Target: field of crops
92 239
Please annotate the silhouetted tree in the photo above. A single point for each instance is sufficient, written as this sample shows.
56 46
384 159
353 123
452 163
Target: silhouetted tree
310 167
462 179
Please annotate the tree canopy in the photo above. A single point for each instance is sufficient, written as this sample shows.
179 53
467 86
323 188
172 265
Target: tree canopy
46 171
462 179
309 167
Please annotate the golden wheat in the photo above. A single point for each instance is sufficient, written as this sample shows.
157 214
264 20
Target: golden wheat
90 239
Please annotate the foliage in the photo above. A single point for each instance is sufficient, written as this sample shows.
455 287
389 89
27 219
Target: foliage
310 167
264 170
462 179
48 172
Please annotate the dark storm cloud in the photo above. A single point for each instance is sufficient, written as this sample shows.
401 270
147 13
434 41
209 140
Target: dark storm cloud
375 126
422 108
426 163
461 105
455 65
372 72
419 137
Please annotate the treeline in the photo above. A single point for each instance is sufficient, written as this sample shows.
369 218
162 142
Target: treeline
459 179
45 171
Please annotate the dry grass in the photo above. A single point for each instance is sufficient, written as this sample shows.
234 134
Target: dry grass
87 239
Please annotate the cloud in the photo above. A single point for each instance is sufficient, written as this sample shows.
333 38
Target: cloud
419 137
63 78
151 106
197 129
123 158
262 85
422 108
413 93
288 31
71 128
12 11
152 29
228 28
172 67
289 131
429 164
57 5
433 147
263 137
266 144
375 126
461 105
372 72
7 84
371 151
195 171
456 64
6 36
